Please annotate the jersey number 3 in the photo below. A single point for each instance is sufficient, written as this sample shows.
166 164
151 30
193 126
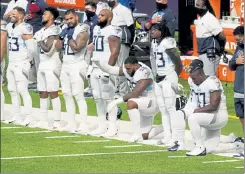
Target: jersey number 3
159 59
13 44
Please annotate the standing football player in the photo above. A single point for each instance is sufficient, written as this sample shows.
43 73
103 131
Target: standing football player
2 51
106 48
207 114
141 102
167 64
74 40
20 51
49 68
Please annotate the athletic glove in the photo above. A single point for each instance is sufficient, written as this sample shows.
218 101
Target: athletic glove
63 33
113 104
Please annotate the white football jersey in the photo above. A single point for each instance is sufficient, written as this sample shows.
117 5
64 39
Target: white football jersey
47 62
164 64
101 41
201 94
16 45
144 72
74 57
3 29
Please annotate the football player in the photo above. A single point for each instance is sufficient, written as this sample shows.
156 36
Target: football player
141 102
49 68
106 48
74 40
167 65
20 48
2 51
206 113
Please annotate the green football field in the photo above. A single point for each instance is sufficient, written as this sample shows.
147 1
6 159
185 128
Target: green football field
79 153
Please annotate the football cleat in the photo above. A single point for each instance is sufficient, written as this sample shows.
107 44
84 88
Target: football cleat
197 151
176 147
239 139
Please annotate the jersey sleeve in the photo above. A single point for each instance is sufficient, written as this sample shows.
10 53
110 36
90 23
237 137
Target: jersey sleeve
169 43
3 25
84 28
142 74
27 29
214 84
116 31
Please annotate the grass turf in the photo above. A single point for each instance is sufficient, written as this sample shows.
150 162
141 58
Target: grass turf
17 145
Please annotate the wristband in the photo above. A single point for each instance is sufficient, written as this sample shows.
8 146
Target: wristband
150 21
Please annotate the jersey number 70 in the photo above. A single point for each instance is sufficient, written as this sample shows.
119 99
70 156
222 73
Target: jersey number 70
99 43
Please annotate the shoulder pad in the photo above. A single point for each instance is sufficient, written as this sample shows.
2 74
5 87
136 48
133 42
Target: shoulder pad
169 43
83 27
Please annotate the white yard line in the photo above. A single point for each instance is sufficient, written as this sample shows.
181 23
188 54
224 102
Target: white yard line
85 154
224 161
241 167
134 145
57 137
177 156
11 127
91 141
33 132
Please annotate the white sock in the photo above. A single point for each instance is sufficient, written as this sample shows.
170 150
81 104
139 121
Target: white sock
27 100
225 148
113 117
134 116
44 106
56 108
227 139
101 111
178 126
70 108
165 122
195 129
83 108
2 104
16 104
155 131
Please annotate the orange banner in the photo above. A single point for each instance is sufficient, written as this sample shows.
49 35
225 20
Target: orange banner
77 4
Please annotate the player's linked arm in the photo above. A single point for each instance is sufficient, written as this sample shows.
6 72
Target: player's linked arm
138 90
115 44
215 98
28 38
3 43
80 42
46 47
175 57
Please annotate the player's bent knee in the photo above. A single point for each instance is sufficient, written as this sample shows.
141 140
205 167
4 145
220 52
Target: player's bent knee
43 94
54 95
132 105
